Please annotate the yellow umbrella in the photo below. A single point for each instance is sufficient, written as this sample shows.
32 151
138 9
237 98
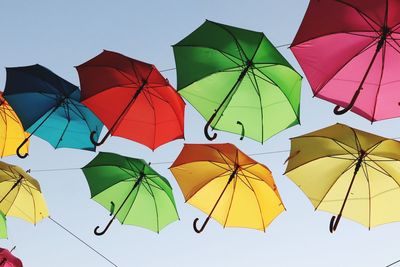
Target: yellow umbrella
20 194
12 133
229 186
348 172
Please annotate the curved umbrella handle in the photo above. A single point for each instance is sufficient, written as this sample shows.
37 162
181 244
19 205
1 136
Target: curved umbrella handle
94 142
197 230
242 134
19 148
96 230
334 223
210 138
349 106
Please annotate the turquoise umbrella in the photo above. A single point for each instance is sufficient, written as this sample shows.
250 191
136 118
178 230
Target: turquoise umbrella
49 107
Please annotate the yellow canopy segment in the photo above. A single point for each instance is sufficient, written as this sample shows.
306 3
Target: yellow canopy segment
20 194
348 172
12 132
226 184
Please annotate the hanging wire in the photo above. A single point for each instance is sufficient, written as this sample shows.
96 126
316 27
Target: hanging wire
89 246
153 163
393 263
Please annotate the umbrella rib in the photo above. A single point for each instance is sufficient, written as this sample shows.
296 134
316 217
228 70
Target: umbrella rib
394 41
257 89
230 203
273 83
364 49
369 192
149 100
383 171
333 184
155 206
134 199
362 14
380 79
357 142
258 201
34 205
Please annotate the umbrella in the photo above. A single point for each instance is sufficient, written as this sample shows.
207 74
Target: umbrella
11 130
132 98
3 226
9 260
20 194
131 190
48 106
348 172
349 52
227 185
238 81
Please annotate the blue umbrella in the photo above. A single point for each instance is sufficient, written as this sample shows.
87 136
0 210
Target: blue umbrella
49 107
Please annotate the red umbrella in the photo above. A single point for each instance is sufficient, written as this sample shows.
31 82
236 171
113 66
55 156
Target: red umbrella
350 53
132 99
8 260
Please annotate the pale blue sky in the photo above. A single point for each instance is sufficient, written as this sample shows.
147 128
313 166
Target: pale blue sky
63 34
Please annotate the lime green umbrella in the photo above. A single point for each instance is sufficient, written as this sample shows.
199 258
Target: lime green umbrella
133 192
3 226
238 81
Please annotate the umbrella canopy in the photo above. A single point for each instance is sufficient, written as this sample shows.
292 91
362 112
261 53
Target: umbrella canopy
9 260
349 52
132 98
227 185
238 81
48 106
20 194
348 172
12 132
131 190
3 226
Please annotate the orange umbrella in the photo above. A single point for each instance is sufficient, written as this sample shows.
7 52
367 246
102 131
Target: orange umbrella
229 186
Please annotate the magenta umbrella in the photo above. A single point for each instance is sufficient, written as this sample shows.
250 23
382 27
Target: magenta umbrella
350 53
9 260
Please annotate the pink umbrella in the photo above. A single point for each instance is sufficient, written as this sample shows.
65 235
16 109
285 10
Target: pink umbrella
350 53
8 260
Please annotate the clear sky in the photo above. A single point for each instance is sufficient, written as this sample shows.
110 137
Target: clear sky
64 34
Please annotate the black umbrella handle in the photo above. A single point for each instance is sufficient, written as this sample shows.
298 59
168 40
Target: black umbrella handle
208 136
94 142
337 110
97 232
334 223
196 229
19 148
242 133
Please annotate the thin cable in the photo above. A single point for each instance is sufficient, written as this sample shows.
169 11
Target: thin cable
283 45
165 70
393 263
154 163
68 231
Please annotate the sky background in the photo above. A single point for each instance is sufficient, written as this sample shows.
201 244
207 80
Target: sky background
62 34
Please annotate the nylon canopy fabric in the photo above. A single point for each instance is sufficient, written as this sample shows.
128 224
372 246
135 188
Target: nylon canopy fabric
346 171
227 185
238 81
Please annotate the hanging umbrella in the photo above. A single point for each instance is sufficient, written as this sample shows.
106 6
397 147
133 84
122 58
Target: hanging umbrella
3 226
48 106
238 81
131 190
11 130
20 194
9 260
132 98
349 52
227 185
348 172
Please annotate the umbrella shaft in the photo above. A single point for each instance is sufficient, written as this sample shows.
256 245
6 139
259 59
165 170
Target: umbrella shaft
138 181
138 91
12 188
357 168
234 87
233 174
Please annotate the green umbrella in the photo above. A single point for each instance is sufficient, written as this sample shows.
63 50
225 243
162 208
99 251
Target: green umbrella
3 226
238 81
132 191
